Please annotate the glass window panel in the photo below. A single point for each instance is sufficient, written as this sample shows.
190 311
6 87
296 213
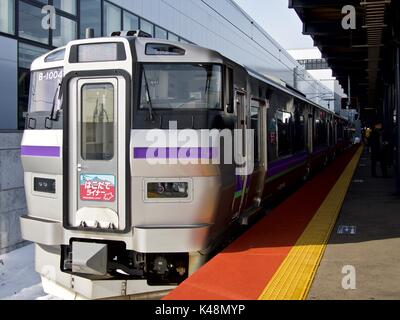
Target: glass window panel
27 53
300 127
55 56
167 190
321 129
66 5
7 15
98 122
44 90
23 95
181 86
98 52
173 37
183 41
65 31
131 22
112 18
161 33
284 122
30 23
147 27
164 49
90 17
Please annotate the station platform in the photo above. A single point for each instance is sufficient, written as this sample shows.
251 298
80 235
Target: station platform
295 251
372 208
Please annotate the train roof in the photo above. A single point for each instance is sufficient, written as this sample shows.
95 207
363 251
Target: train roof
281 85
168 51
184 52
140 47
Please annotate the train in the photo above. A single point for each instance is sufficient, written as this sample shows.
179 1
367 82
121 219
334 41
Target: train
129 184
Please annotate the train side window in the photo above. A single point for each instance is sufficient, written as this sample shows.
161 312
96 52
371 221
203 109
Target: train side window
321 129
340 131
97 122
229 90
331 137
284 124
299 137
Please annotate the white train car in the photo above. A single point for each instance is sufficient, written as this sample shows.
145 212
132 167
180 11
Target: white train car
107 216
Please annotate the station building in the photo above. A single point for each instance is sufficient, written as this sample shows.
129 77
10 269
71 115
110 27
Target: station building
318 67
217 24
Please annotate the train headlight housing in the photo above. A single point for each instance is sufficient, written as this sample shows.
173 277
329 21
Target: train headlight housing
43 185
167 190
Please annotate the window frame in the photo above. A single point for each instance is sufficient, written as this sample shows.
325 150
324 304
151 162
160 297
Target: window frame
139 88
14 22
290 151
76 29
103 17
82 122
141 20
131 14
77 5
162 30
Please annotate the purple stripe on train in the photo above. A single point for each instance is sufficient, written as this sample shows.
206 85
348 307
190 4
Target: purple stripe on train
281 166
175 153
41 151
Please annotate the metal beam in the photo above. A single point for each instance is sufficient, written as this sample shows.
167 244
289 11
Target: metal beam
397 97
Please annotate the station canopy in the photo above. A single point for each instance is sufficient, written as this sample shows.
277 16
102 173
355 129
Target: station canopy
357 52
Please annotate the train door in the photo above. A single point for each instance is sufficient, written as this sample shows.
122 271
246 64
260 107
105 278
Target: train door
258 154
97 154
240 151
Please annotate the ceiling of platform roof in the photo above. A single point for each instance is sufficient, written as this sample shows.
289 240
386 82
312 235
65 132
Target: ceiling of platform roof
355 53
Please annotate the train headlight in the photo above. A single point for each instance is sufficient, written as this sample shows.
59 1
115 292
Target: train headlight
167 190
43 185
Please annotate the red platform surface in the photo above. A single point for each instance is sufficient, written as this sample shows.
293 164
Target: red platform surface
244 268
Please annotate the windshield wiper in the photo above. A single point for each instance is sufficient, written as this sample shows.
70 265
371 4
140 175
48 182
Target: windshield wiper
54 116
151 111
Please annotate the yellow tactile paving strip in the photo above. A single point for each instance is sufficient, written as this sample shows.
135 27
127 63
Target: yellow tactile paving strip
294 277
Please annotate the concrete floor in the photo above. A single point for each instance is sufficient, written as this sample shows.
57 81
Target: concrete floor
374 251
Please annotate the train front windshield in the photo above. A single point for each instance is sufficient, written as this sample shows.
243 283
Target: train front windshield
45 85
181 86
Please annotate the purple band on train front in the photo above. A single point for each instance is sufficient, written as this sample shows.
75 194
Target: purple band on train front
285 164
175 153
40 151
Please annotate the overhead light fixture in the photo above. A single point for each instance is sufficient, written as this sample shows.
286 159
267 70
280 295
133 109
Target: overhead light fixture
367 46
375 3
370 26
